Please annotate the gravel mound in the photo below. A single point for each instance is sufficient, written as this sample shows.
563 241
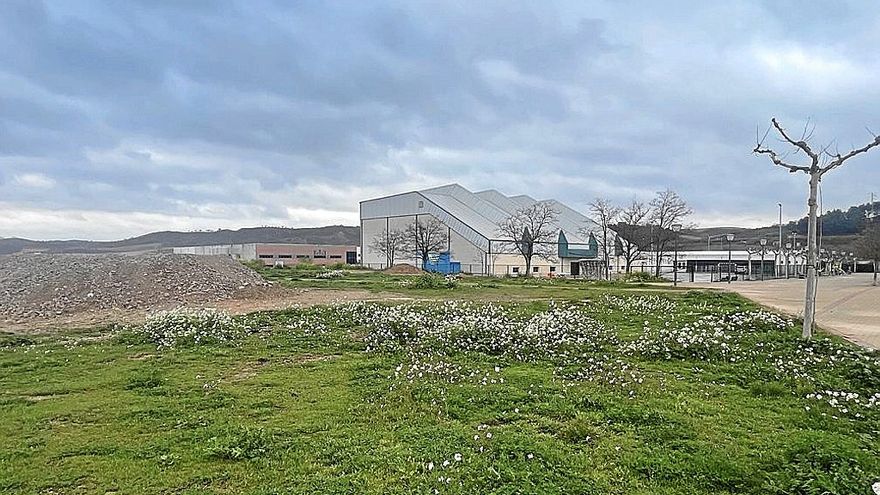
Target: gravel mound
41 286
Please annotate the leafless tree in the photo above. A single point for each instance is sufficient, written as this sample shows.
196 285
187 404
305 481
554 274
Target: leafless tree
389 243
868 246
531 229
605 214
821 162
424 238
633 235
667 209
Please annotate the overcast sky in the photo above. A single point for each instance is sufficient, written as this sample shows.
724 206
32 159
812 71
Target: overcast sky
119 118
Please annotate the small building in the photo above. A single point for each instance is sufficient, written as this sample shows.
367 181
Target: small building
473 237
276 254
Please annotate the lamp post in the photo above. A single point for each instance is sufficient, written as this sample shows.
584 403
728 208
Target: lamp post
787 249
780 236
676 228
729 238
763 246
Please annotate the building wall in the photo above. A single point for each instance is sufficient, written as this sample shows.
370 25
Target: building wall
272 254
244 252
291 254
471 257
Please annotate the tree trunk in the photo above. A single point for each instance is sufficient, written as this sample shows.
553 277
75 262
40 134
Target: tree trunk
528 267
810 302
875 273
605 254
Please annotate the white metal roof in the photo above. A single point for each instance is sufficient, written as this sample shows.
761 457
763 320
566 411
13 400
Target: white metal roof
481 212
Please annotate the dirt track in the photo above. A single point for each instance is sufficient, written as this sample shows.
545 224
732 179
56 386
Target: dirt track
270 299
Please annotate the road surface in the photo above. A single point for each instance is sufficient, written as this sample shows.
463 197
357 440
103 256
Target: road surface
846 305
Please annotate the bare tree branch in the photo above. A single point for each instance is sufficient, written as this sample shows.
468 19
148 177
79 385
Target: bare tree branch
604 213
802 144
424 238
838 161
778 161
531 229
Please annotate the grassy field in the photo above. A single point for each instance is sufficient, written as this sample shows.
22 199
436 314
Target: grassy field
433 285
612 391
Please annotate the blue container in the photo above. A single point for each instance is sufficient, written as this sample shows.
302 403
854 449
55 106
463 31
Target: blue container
442 263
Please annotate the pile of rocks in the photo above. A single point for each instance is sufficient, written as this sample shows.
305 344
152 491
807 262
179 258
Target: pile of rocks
49 285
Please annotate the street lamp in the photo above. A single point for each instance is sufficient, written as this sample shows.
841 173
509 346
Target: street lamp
787 249
763 246
676 228
729 241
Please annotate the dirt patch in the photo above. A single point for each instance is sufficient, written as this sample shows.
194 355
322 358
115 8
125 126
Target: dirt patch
267 299
403 270
141 356
47 293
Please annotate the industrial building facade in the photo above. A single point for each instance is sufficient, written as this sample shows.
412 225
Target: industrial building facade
473 236
272 254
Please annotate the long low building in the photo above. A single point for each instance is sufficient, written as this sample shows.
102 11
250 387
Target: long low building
272 254
473 236
714 264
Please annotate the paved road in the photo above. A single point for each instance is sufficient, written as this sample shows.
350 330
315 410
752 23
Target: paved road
846 305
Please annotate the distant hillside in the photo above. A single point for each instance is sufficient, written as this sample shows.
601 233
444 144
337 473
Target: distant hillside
839 229
334 234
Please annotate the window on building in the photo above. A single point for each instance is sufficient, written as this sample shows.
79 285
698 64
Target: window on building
335 256
552 269
516 269
320 253
266 256
302 256
536 269
286 256
421 204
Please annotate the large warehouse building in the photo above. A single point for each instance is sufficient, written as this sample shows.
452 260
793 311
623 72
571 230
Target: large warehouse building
473 236
278 254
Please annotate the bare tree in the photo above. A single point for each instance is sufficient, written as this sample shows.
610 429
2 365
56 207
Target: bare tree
424 238
667 209
820 163
868 246
389 243
632 233
531 229
604 213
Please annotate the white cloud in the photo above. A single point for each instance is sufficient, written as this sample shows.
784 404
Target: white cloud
35 181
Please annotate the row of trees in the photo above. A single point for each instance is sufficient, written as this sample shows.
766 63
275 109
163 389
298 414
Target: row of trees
637 227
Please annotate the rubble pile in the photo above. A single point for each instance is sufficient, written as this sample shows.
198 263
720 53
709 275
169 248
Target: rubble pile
49 285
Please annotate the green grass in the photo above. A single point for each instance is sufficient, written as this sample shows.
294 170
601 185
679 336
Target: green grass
466 287
299 406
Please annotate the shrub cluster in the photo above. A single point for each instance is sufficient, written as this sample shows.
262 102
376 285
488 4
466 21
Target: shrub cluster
182 327
431 281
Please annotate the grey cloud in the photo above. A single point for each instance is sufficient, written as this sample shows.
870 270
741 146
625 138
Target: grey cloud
165 106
